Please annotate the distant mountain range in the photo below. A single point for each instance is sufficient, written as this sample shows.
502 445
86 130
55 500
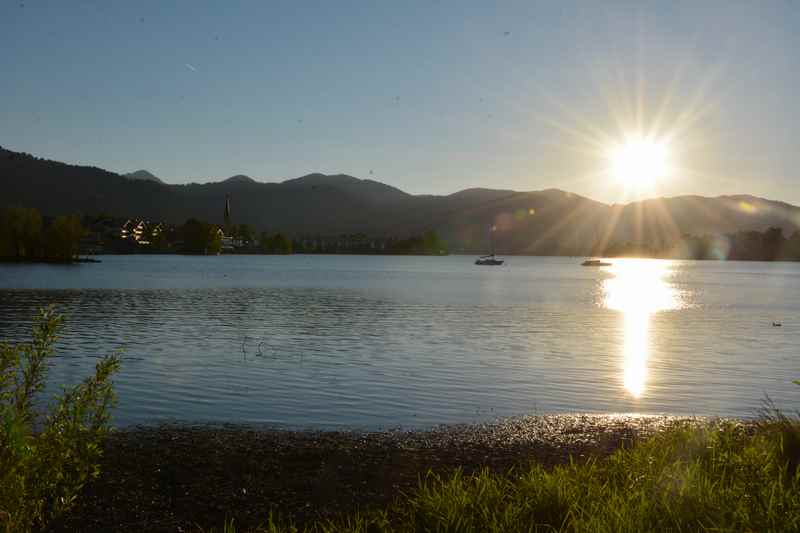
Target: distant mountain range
539 222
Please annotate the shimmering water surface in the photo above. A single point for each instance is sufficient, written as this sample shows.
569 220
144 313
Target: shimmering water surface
376 342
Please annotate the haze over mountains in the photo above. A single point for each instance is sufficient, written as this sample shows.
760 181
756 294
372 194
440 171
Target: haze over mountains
538 222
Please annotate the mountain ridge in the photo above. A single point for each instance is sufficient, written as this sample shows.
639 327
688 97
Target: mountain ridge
549 221
238 178
143 175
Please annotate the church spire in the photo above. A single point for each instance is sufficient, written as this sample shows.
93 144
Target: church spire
227 210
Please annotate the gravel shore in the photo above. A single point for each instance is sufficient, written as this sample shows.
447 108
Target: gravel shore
178 477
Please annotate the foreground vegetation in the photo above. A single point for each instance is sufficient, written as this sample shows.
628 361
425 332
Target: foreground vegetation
46 460
717 477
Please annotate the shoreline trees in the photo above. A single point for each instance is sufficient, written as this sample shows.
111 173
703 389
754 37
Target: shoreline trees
201 237
26 236
769 245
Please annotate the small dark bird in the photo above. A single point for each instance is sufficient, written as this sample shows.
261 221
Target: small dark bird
776 324
370 171
506 34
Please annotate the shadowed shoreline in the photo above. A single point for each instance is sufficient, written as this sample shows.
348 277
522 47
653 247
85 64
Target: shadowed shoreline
177 477
48 261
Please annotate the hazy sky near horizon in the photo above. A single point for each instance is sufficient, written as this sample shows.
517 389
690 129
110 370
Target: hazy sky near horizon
429 96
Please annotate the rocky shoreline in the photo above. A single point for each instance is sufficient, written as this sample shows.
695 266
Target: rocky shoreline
185 477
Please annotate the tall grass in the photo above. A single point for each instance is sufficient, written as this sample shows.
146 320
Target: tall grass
717 477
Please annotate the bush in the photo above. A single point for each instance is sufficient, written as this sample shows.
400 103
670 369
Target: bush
46 458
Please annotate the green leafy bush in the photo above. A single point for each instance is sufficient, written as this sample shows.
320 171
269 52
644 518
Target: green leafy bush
46 458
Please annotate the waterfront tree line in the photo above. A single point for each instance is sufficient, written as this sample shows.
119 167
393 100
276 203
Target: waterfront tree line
769 245
200 237
27 236
197 237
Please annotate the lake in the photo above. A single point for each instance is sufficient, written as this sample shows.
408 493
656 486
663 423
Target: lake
314 341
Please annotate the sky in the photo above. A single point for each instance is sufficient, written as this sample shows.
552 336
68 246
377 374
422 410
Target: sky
429 96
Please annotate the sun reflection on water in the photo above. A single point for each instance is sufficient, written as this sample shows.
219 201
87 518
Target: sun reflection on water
639 289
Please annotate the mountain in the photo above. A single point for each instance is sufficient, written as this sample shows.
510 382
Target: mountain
363 189
57 188
143 175
239 178
551 221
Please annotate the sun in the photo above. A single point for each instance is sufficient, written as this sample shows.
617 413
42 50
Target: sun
639 162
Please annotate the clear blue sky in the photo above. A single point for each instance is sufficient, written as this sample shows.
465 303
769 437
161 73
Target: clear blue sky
432 96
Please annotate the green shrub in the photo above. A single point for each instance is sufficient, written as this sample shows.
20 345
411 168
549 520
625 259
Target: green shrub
46 458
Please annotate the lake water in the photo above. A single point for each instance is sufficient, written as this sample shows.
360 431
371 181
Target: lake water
374 342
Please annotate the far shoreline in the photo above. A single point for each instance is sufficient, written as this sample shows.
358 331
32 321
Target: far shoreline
47 261
94 258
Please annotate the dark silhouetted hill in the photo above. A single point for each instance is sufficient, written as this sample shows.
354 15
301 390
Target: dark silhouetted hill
366 190
239 178
539 222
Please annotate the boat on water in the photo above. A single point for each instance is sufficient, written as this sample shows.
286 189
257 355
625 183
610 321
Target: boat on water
490 260
595 263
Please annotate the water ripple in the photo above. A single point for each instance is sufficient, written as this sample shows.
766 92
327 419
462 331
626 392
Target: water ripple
332 342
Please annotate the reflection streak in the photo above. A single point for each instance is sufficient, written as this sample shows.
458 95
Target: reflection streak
638 290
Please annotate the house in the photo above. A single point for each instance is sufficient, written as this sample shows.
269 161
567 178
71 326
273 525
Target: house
132 230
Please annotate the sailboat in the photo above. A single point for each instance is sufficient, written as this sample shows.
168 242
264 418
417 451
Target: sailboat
489 260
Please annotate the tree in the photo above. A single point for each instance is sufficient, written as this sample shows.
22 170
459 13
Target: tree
63 237
426 244
277 244
791 250
432 244
20 232
201 237
283 244
244 232
42 472
214 242
773 243
32 232
194 236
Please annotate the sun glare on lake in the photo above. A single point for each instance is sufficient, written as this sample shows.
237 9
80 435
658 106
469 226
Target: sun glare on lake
639 290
